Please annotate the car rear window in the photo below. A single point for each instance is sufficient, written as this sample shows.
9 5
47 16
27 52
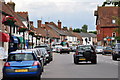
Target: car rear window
84 47
21 57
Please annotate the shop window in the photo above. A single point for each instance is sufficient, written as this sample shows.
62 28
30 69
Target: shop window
113 34
113 21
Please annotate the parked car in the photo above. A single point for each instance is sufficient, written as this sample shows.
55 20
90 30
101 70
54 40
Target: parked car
65 49
57 48
116 52
22 64
44 54
48 50
73 48
85 53
39 57
107 50
99 49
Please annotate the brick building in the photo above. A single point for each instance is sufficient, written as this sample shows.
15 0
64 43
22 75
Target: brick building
106 24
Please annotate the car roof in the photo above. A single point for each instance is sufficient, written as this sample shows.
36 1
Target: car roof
21 51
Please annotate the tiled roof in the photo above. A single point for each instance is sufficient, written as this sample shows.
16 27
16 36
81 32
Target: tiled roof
7 9
77 35
47 33
68 33
87 34
93 35
84 34
23 15
60 32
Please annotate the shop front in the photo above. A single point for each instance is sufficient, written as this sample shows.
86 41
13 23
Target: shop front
14 42
4 40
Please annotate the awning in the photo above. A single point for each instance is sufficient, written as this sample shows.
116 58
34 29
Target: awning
21 40
14 39
4 37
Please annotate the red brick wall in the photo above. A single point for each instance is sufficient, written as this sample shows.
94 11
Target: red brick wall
105 25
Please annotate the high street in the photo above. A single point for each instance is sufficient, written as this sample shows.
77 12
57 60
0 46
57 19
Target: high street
63 67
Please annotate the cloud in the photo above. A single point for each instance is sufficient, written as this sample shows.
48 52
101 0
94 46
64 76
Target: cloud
71 12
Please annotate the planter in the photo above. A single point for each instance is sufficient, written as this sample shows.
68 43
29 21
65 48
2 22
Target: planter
8 20
22 29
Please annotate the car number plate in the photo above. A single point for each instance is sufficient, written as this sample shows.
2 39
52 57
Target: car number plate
21 70
82 59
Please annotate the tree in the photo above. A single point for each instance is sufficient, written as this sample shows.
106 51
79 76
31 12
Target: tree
84 28
94 32
77 30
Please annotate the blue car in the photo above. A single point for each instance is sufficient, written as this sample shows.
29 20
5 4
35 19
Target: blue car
22 64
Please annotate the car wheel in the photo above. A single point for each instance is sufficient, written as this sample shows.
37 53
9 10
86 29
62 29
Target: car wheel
103 53
75 61
114 58
68 52
60 52
94 61
38 77
5 78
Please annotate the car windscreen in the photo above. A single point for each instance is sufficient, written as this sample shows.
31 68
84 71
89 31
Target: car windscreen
117 46
21 57
84 47
99 47
108 48
46 47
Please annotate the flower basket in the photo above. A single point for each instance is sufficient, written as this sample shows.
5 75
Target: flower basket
31 33
22 29
8 20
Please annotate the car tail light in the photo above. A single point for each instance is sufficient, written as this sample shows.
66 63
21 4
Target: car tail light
7 64
76 53
36 63
48 52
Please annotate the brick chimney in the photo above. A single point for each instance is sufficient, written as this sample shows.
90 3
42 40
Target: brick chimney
59 24
39 22
31 23
46 22
12 5
64 28
70 29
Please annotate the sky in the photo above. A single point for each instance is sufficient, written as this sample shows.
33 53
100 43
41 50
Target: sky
72 13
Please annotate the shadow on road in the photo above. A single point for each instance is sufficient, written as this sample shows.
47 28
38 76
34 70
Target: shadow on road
85 64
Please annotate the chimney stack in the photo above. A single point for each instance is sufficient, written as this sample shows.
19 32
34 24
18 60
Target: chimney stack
12 5
31 23
59 24
39 22
46 22
65 28
70 29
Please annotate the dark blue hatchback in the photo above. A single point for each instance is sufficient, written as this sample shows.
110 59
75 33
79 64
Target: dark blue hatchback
22 64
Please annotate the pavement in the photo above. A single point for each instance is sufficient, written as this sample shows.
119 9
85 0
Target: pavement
1 66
